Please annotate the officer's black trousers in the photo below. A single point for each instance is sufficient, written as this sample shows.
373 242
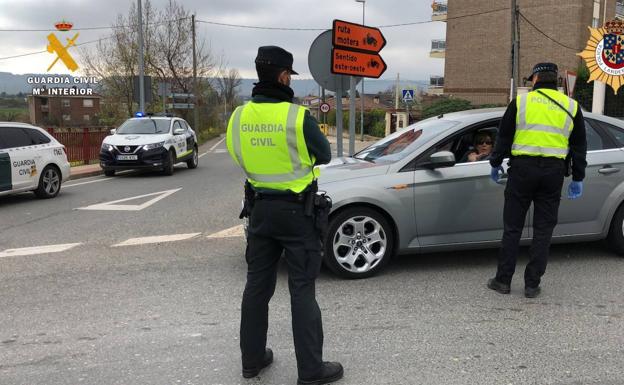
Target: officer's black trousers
538 180
275 226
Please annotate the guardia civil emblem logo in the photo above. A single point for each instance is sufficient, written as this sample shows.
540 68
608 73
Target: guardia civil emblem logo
604 54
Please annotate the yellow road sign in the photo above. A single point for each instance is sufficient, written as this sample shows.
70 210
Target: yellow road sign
55 46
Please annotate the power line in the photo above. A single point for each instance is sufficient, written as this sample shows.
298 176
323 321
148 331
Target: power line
94 28
40 52
324 29
547 36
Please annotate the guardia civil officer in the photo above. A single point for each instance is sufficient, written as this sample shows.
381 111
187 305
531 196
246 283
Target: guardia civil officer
544 133
277 144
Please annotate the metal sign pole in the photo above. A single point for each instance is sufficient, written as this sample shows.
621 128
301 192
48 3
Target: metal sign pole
352 116
339 117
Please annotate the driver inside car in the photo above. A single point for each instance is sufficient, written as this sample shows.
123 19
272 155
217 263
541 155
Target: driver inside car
482 148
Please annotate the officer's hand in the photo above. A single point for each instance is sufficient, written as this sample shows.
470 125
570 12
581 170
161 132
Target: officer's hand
575 190
496 173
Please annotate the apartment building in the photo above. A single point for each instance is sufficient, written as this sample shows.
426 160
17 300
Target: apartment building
478 41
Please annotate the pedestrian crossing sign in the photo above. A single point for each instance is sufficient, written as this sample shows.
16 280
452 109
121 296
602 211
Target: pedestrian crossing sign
408 95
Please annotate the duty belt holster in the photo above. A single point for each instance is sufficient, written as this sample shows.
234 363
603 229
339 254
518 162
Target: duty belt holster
248 202
318 206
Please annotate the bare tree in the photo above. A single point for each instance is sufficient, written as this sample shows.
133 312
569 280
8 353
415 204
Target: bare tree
227 84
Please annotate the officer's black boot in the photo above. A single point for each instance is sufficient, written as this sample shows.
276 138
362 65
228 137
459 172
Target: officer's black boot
500 287
330 372
249 372
532 292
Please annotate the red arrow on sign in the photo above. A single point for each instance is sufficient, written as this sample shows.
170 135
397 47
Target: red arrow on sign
357 37
347 62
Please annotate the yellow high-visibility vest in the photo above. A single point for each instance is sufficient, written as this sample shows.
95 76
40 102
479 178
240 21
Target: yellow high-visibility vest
542 127
267 141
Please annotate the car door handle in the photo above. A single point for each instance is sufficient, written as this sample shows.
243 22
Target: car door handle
607 169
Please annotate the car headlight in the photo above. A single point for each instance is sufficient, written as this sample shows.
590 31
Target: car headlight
153 146
107 147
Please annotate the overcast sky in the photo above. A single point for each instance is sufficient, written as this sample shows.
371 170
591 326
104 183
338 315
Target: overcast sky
407 50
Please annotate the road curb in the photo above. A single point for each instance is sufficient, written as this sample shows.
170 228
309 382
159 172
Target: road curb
85 174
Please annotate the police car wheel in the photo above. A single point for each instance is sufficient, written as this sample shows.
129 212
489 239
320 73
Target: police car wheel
109 172
49 183
194 161
360 243
615 239
170 163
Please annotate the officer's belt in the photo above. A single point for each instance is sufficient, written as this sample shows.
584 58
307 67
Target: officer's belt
298 198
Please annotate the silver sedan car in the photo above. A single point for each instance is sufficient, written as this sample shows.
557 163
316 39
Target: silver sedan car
415 191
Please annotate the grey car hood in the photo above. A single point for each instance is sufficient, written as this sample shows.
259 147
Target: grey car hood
344 168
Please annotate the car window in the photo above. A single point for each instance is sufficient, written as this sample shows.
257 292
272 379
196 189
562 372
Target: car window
617 132
14 137
144 126
402 143
594 139
37 137
177 125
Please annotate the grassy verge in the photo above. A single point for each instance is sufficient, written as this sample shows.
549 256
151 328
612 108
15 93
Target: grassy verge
206 134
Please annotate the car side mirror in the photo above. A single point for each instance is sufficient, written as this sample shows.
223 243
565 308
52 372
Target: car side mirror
441 159
178 131
113 131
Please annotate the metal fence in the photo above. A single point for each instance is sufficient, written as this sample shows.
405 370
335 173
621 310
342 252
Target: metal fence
82 145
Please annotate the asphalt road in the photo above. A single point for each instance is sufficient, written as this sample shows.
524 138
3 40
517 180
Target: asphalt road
102 312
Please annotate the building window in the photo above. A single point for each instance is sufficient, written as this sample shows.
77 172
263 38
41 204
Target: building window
86 117
65 102
66 117
87 102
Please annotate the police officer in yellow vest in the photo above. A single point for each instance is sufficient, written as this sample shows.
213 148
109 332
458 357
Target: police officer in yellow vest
544 132
277 144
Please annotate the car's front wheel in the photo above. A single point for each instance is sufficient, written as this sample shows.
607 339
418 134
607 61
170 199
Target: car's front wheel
49 183
169 163
109 172
359 244
616 231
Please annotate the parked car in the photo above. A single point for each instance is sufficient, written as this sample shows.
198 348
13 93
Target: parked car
408 194
31 160
156 143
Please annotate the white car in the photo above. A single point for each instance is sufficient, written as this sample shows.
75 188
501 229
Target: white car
149 143
31 160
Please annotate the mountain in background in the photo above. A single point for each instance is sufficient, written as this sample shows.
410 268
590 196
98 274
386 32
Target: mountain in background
13 84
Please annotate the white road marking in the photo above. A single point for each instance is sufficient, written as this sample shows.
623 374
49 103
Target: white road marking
156 239
212 148
113 206
220 151
236 231
38 250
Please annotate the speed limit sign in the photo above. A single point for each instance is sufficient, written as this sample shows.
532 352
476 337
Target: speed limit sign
325 107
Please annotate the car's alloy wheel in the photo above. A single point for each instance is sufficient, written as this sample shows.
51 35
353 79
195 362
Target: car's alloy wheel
49 183
194 161
359 244
616 231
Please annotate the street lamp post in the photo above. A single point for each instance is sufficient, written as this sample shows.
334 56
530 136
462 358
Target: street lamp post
362 92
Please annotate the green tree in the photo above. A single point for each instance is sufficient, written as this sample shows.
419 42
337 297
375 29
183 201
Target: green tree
445 106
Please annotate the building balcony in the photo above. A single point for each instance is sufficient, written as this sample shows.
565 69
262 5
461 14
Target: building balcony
438 49
440 10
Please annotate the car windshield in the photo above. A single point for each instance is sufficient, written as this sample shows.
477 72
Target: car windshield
402 143
144 126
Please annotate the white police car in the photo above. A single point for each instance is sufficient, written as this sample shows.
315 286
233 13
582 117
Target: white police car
151 142
31 160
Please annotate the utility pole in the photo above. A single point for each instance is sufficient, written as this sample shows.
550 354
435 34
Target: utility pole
598 99
396 102
141 69
195 90
514 50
